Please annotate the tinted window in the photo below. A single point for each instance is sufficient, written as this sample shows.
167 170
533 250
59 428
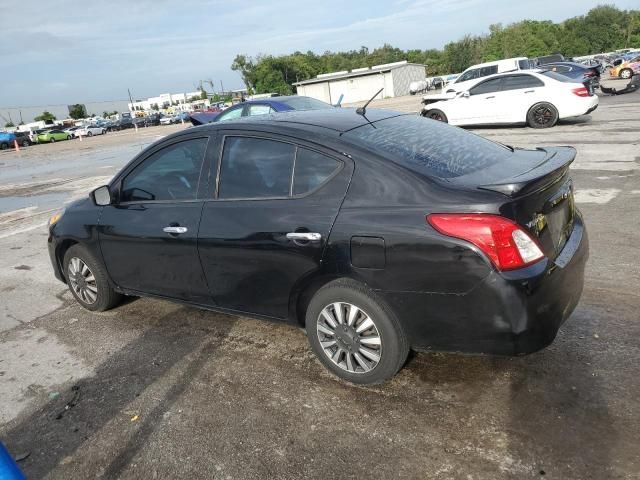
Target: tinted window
485 71
230 114
312 169
516 82
255 168
488 86
524 64
470 75
169 174
430 147
259 109
305 103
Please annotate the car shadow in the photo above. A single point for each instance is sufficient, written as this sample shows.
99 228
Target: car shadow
58 428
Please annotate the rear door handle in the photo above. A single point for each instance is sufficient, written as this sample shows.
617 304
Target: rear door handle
529 91
492 96
175 230
305 236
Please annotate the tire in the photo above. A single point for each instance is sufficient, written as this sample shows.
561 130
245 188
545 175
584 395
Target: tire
83 289
542 115
25 143
89 134
626 73
4 146
68 137
52 140
436 114
348 345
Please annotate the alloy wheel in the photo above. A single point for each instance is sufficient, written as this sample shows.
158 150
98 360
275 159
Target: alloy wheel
82 281
543 115
349 337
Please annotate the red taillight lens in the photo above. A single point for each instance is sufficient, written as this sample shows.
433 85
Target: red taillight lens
589 73
503 241
581 91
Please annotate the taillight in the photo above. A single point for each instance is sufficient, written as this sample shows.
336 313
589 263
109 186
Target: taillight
502 240
589 73
581 91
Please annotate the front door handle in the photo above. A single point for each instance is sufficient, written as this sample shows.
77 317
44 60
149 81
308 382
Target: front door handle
304 236
175 230
487 98
528 91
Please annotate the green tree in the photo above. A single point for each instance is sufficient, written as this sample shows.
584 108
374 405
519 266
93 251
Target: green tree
77 111
9 124
45 116
203 94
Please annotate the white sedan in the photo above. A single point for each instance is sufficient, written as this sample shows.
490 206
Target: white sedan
89 131
537 98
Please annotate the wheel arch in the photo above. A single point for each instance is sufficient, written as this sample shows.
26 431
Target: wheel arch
61 250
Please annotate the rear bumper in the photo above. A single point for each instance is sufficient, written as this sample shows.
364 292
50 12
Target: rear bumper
508 313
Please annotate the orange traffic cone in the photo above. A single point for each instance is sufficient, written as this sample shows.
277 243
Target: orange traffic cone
15 145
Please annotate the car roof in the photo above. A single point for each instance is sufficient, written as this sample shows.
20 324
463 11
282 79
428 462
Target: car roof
337 119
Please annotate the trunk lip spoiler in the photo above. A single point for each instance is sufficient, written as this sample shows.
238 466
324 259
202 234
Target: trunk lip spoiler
551 169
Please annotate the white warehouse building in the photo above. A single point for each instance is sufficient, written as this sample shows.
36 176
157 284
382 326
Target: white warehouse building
362 83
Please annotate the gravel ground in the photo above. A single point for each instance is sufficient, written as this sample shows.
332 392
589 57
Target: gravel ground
158 390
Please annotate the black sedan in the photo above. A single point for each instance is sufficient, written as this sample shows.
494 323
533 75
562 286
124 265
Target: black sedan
586 74
377 231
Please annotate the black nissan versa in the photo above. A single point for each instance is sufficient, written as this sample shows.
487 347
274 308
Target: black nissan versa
378 231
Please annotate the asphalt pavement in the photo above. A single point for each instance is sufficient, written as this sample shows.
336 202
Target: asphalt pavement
154 389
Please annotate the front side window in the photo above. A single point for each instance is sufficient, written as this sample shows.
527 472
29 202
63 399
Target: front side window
470 75
255 168
312 170
231 114
487 86
169 174
259 110
517 82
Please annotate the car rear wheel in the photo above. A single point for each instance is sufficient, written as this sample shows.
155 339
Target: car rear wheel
354 334
52 140
4 146
89 134
87 280
25 143
626 73
542 115
436 114
68 137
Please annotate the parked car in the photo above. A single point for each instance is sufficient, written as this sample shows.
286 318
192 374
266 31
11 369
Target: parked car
52 136
121 124
89 131
392 232
472 74
6 140
23 138
418 87
576 71
537 98
625 68
71 130
260 107
437 83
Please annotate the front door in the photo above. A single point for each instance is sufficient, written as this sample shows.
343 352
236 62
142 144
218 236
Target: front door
148 237
266 227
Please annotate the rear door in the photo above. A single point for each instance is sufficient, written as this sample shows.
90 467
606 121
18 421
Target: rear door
149 235
517 94
268 221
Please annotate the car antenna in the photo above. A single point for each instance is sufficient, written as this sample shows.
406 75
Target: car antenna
363 109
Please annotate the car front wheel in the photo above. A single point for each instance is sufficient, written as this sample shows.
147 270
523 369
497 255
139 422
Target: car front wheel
52 140
87 280
626 73
354 334
436 114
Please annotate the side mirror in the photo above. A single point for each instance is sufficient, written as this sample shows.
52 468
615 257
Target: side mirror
101 196
465 94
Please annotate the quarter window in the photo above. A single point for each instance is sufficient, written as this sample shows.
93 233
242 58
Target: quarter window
312 169
255 168
169 174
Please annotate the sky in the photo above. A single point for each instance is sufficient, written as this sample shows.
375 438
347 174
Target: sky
69 51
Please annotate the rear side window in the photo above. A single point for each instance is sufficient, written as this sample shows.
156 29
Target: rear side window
429 147
171 173
516 82
231 114
524 64
259 109
488 86
485 71
255 168
312 170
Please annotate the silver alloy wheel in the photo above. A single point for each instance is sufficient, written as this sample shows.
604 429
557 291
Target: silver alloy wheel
82 281
349 337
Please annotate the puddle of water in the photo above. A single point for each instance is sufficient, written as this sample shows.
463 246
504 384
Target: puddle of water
45 201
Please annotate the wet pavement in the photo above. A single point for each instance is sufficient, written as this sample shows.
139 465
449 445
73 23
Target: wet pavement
158 390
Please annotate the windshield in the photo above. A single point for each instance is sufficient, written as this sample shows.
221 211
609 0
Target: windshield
305 103
429 147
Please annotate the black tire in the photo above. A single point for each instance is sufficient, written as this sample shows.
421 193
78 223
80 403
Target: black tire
393 348
542 115
436 114
52 140
89 134
626 73
25 143
4 146
68 137
107 298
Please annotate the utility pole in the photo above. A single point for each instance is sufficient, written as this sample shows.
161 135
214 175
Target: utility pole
130 99
221 87
21 122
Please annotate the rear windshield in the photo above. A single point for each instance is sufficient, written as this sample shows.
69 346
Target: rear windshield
557 76
430 147
305 103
